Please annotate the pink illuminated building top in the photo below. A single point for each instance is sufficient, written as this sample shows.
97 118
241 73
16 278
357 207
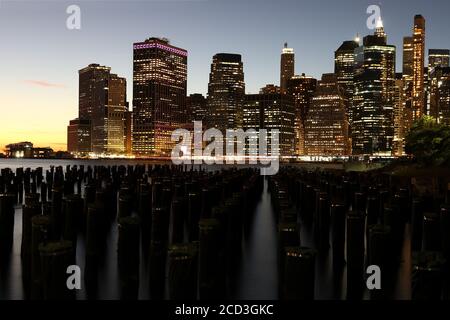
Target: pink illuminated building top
150 45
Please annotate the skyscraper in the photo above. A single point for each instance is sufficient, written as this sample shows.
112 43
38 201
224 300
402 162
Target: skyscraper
128 132
159 95
408 58
438 58
444 96
88 97
326 127
88 80
344 69
408 75
79 136
399 116
418 88
287 67
270 88
197 108
302 89
440 94
102 100
226 92
271 111
373 118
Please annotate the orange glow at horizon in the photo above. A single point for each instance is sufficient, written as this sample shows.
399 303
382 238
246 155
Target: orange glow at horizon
36 113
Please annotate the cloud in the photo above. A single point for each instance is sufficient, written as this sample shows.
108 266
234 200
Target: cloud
44 84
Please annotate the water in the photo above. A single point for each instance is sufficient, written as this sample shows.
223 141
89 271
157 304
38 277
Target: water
257 276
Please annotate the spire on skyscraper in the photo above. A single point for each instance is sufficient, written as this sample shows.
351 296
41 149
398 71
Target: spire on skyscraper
379 30
379 23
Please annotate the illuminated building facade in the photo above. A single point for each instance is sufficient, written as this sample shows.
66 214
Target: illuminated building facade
88 88
113 126
197 108
287 67
373 117
252 119
408 58
79 136
440 94
418 88
27 150
102 100
128 132
159 96
344 69
270 89
273 111
301 89
444 96
19 150
399 117
326 126
437 60
226 92
89 92
408 74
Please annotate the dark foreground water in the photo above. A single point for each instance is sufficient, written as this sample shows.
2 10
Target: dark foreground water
257 276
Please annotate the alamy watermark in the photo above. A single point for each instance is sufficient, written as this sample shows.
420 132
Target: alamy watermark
375 16
73 21
237 147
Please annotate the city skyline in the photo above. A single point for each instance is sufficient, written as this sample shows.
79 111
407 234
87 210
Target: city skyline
55 94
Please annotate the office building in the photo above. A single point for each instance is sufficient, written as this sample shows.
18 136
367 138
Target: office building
373 100
301 89
270 89
287 67
344 69
159 96
438 58
440 94
408 74
128 132
326 126
398 147
418 88
273 111
197 108
79 136
226 92
102 101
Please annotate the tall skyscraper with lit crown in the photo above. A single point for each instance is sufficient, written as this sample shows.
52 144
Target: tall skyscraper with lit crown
159 96
287 67
373 99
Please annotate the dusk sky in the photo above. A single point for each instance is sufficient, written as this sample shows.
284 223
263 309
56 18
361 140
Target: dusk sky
40 57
